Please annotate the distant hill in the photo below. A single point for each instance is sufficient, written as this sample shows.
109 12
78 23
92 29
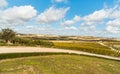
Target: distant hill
57 37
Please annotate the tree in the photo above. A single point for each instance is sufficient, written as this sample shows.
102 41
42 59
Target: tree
8 35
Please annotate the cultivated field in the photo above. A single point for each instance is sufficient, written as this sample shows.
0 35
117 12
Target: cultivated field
115 45
91 47
59 64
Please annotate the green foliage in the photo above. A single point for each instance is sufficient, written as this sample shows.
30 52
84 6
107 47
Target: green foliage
91 47
43 43
7 34
29 42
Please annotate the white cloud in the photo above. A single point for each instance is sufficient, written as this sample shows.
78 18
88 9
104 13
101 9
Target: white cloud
112 29
100 16
96 16
51 15
30 27
115 22
105 16
3 3
76 18
71 22
88 28
115 13
17 15
59 1
71 28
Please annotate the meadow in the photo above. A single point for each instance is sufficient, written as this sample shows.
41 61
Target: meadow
92 47
59 64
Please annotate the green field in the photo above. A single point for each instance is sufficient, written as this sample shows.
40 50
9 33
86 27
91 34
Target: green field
91 47
59 64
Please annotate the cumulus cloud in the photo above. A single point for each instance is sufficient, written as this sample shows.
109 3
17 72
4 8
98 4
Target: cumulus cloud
101 15
51 15
30 27
3 3
88 28
59 1
17 15
112 29
71 22
113 26
115 13
96 16
71 28
106 16
115 22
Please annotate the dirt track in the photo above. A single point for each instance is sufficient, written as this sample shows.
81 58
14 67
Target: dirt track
39 49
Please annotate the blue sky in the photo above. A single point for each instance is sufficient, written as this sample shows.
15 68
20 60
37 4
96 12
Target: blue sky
99 18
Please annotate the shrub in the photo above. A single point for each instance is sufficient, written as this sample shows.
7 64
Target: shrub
30 42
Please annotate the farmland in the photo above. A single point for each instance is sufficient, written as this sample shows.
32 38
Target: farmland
91 47
115 45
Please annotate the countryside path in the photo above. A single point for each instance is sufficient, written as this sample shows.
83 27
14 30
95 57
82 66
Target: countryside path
39 49
108 47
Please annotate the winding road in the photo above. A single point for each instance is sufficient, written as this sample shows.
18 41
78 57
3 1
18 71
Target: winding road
40 49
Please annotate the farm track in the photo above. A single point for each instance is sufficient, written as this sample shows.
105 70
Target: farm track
40 49
108 47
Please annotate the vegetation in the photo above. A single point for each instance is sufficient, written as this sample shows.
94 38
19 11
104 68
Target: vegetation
61 64
10 39
30 42
115 45
8 35
18 55
112 43
91 47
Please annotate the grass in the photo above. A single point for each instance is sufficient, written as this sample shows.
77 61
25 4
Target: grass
91 47
18 55
59 64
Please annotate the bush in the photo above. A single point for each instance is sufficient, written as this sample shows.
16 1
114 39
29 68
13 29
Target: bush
29 42
43 43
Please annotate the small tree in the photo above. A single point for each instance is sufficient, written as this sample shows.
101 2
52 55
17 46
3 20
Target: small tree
7 34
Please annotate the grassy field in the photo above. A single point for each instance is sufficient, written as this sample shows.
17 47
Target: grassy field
91 47
59 64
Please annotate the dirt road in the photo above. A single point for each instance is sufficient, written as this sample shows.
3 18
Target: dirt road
39 49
